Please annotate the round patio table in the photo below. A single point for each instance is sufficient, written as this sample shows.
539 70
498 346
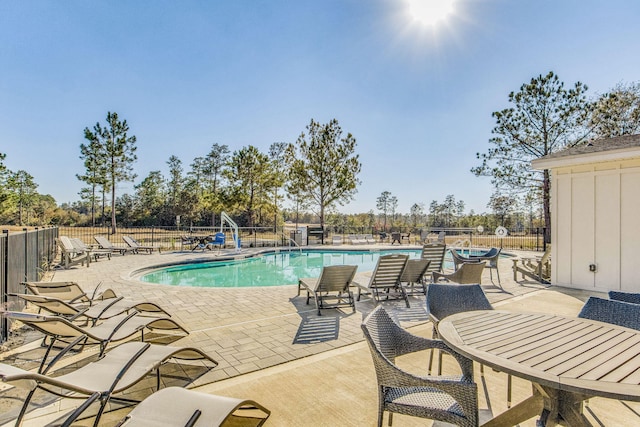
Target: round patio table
567 360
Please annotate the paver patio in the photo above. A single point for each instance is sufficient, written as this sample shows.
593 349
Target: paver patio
271 337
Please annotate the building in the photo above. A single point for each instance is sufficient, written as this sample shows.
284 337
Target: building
595 214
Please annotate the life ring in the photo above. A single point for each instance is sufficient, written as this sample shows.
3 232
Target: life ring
501 231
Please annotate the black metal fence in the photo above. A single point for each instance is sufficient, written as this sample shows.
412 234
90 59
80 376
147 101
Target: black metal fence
24 256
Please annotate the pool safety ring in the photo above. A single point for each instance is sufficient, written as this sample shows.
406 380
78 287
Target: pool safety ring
501 231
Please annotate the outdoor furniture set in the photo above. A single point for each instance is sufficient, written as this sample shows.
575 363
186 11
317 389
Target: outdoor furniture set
117 368
567 359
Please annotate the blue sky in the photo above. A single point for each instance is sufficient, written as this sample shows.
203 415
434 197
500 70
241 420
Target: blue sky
188 74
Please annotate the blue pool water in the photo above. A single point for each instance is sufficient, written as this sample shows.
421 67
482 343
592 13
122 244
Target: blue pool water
273 269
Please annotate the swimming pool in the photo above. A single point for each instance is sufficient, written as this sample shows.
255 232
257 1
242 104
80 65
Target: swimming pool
271 269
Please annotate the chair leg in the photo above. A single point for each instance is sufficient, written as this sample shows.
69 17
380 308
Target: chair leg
509 391
25 405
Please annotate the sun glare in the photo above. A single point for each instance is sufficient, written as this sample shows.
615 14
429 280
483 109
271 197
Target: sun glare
430 12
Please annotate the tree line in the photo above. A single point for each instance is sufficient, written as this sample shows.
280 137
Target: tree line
307 180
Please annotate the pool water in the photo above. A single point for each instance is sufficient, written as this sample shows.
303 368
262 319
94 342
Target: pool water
273 269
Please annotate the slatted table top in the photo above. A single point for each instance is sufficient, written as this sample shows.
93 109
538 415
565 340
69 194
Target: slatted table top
571 354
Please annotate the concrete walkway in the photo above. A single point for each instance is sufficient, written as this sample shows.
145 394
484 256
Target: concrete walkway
273 348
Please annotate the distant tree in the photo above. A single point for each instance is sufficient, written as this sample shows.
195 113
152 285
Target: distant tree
545 118
277 154
118 149
385 203
94 157
3 178
215 164
22 188
150 198
417 213
248 174
617 112
174 186
323 166
502 205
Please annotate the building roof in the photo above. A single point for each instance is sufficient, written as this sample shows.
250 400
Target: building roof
601 150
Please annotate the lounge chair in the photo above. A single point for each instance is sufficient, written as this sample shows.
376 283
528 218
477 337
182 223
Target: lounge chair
105 243
114 329
95 253
619 313
116 372
369 239
69 292
71 256
385 279
355 240
101 310
336 240
333 284
434 252
631 297
176 406
538 268
468 272
137 247
453 399
413 277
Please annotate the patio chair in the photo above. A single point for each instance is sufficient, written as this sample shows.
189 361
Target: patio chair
95 253
413 276
538 268
114 329
137 247
333 284
445 300
468 272
434 252
116 372
101 310
176 406
69 292
631 297
105 243
71 256
619 313
385 279
491 257
453 399
336 240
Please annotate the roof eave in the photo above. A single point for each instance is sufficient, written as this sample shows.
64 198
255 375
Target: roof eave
580 159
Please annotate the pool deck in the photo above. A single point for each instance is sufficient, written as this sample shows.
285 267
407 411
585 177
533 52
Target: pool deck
309 370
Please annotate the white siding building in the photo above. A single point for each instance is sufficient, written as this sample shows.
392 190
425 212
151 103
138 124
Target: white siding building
595 214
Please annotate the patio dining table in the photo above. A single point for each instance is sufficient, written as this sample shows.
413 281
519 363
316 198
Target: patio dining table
567 360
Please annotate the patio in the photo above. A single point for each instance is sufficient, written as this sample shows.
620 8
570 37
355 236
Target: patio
307 370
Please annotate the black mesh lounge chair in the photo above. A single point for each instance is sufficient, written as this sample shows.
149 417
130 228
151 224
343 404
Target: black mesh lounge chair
619 313
385 280
631 297
175 406
102 380
118 328
452 399
414 276
137 247
332 285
